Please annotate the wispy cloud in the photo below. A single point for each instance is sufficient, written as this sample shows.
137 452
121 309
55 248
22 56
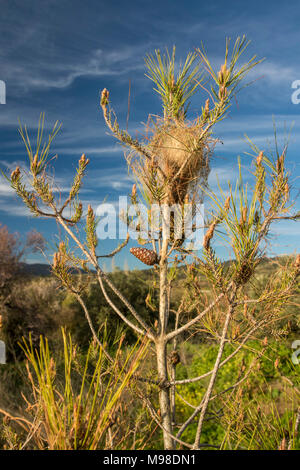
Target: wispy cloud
5 189
100 63
56 71
13 209
82 148
276 72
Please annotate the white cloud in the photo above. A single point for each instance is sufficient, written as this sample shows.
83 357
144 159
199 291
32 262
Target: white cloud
286 228
78 149
60 72
14 209
275 72
5 189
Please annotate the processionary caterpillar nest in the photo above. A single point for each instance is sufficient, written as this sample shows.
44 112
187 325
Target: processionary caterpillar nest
173 144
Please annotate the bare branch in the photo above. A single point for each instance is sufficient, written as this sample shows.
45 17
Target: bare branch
185 327
87 315
100 275
228 358
215 369
117 250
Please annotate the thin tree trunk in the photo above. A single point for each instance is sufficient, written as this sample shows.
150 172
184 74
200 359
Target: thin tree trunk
173 375
161 350
164 396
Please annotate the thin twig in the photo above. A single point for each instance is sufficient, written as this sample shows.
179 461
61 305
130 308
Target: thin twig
215 369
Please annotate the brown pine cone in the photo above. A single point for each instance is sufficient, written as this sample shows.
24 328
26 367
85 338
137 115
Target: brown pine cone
148 257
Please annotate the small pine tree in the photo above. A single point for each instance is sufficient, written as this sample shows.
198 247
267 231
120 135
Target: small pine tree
172 167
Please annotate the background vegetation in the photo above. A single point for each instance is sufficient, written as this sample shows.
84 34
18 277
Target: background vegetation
266 404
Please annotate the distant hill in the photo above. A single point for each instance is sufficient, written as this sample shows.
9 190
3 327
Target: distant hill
39 269
35 269
42 269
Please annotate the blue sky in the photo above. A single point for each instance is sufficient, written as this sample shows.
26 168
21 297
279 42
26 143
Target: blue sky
57 56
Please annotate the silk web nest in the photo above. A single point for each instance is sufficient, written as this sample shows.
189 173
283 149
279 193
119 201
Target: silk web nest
173 144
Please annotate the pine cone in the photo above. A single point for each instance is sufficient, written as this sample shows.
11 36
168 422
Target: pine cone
148 257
